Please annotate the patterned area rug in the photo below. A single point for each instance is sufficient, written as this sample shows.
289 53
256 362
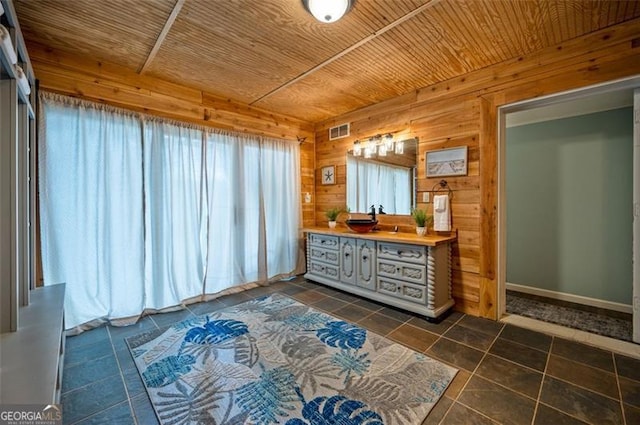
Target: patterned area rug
273 360
571 317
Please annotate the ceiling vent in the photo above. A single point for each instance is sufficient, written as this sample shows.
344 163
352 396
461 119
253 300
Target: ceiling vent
339 131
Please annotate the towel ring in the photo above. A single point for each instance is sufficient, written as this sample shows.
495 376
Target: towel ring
443 185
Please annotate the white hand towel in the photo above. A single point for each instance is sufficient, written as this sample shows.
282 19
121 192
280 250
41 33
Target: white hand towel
441 213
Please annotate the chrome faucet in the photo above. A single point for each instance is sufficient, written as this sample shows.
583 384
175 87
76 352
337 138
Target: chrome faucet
373 213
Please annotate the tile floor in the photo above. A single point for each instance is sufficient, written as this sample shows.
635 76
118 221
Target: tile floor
507 374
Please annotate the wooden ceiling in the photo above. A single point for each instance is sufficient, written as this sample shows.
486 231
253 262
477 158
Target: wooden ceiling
274 55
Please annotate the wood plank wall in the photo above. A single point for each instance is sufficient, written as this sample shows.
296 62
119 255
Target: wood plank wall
63 73
463 111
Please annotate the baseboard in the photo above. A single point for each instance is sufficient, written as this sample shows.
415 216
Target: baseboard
578 299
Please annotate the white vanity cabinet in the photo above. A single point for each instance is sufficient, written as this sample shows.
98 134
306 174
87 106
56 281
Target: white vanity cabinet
405 271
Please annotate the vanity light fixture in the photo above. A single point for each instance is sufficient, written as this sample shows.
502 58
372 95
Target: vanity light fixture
378 145
328 11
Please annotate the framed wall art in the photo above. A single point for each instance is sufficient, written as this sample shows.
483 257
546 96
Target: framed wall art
447 162
329 174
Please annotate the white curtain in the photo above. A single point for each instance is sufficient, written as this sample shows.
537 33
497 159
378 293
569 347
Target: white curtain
139 213
253 192
91 209
175 243
374 183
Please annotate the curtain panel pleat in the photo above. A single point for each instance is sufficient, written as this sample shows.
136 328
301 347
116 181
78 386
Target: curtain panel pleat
139 213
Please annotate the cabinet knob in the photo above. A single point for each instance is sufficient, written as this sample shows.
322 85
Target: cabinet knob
365 258
346 255
399 252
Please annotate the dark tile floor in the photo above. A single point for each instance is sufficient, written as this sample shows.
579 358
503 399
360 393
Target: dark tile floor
507 374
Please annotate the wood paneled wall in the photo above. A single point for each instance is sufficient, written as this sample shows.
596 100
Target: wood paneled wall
112 84
463 111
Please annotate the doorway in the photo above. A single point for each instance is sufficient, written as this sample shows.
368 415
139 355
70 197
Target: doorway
565 183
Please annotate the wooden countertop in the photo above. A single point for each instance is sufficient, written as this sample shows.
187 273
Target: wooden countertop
384 236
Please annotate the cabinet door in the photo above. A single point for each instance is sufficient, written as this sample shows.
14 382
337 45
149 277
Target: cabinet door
348 260
366 264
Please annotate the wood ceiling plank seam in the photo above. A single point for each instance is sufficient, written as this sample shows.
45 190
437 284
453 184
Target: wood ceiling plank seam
581 11
627 11
502 27
593 16
598 18
571 9
160 39
517 37
484 44
554 18
636 9
500 73
618 12
62 35
426 56
449 47
395 48
232 49
613 13
495 16
351 48
435 56
234 32
442 48
477 57
528 40
564 21
537 30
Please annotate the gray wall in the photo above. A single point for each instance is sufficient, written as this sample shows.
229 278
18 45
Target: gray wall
569 205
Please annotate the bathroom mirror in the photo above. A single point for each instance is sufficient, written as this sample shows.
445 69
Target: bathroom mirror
388 180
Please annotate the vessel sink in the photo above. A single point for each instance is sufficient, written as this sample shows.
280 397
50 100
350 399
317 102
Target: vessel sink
361 225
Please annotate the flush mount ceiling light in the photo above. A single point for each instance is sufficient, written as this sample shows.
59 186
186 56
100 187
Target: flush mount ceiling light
327 11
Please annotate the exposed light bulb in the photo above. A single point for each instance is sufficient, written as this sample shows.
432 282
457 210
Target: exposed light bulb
400 147
388 142
357 148
382 150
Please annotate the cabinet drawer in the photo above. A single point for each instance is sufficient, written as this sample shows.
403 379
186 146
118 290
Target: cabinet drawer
406 291
325 241
325 255
322 269
410 253
414 273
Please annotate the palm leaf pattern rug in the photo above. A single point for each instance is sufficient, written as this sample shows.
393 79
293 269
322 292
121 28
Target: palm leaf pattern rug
273 360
